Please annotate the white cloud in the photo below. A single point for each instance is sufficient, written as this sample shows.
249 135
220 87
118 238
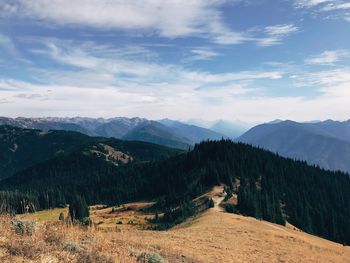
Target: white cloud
111 66
310 3
336 6
202 53
170 19
332 8
327 57
331 78
164 90
275 34
175 101
110 82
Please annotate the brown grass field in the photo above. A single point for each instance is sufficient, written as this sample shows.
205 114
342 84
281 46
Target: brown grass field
213 236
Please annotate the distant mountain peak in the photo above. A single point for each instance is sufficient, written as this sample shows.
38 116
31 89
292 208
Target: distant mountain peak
275 121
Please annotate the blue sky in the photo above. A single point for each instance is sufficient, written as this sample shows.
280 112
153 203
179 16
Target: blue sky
240 59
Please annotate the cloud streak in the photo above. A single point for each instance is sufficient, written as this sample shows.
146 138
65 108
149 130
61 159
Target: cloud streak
167 19
328 57
330 7
275 34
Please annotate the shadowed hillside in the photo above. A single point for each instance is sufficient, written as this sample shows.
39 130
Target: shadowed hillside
23 148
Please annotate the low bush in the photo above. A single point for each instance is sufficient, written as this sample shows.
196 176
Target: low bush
86 221
231 209
93 257
53 237
73 247
24 248
211 203
150 257
23 227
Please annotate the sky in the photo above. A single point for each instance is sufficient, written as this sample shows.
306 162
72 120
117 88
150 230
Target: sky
252 60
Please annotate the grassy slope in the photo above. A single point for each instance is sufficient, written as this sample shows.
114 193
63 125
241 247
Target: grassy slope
214 236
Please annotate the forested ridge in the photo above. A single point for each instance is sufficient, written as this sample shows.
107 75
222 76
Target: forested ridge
24 148
268 186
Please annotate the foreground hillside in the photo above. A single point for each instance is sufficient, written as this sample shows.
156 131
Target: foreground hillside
214 236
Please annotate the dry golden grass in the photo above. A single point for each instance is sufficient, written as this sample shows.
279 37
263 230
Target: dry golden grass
214 236
50 215
127 216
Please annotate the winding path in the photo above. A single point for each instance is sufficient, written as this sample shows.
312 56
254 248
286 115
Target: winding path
218 197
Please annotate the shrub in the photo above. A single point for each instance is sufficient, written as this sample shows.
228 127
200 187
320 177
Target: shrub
86 221
228 193
24 248
150 257
211 203
53 238
61 217
93 257
231 209
73 247
23 227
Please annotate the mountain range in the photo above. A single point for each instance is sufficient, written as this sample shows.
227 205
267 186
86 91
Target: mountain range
164 132
323 143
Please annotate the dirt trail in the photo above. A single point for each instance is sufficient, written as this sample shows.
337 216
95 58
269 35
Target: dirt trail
218 195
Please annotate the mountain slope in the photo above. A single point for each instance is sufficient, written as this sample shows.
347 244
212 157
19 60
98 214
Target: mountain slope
119 127
223 237
325 144
22 148
158 133
193 133
335 129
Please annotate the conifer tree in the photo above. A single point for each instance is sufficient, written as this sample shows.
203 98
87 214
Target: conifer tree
78 208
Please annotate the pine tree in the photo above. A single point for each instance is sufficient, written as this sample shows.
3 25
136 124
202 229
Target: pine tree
78 208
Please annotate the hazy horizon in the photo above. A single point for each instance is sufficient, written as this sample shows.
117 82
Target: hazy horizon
206 123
